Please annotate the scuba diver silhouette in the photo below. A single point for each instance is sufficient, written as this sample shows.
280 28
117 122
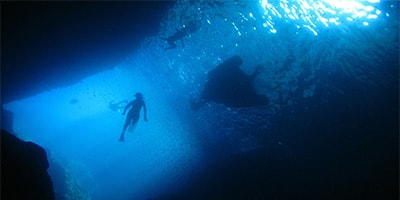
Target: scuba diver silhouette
133 115
179 34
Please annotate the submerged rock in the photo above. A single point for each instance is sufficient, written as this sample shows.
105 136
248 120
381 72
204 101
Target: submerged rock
24 170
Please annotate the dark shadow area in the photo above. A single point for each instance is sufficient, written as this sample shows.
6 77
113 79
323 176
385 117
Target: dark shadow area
344 149
24 170
53 44
229 85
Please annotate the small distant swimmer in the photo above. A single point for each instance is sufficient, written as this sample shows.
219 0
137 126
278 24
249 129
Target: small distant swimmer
134 113
179 34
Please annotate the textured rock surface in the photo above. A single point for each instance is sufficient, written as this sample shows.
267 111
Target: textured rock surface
24 170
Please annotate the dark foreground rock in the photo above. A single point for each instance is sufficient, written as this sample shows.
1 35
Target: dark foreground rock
24 170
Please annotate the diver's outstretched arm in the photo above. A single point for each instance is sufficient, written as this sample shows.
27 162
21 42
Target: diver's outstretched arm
127 106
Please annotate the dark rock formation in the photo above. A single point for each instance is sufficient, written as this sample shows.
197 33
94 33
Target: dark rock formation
6 120
24 170
229 85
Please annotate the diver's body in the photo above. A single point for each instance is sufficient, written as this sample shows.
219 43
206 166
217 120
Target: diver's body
179 34
134 113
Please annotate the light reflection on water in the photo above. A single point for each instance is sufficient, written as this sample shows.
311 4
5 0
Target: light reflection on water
313 14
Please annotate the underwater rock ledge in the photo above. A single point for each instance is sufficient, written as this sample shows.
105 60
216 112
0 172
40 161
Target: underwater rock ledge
24 170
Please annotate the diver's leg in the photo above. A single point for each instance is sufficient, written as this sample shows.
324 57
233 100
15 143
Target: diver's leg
128 121
135 119
121 138
133 126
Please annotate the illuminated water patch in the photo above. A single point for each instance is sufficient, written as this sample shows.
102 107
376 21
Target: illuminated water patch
79 129
315 14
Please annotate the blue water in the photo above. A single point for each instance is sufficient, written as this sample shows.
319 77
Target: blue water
330 131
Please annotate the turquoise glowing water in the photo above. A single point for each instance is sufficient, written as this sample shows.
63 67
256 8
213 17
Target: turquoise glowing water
317 55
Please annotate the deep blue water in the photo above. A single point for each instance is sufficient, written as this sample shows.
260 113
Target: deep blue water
330 131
